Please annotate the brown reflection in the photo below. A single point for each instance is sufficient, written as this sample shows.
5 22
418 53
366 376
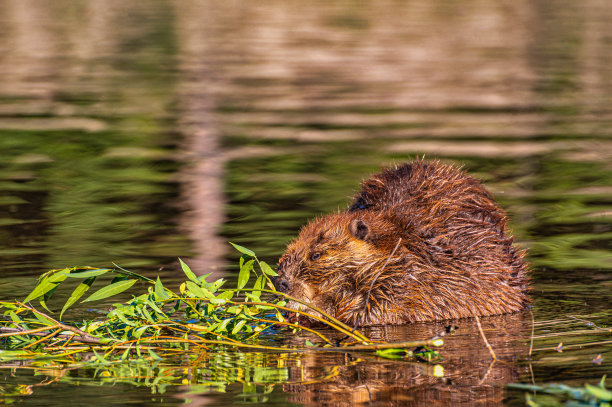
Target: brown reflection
202 177
466 376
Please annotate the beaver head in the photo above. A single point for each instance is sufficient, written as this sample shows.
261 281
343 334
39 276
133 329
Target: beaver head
334 265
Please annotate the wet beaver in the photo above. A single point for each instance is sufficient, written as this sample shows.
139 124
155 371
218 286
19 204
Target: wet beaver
420 242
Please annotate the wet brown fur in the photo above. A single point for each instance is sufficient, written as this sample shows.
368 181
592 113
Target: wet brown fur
454 258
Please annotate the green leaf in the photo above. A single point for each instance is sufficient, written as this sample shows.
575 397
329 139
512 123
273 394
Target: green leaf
126 353
226 295
216 285
154 355
260 283
601 394
245 273
198 291
137 333
267 270
243 250
119 314
154 306
45 321
223 325
88 274
120 277
203 277
78 293
15 318
110 290
44 298
47 284
238 326
160 291
147 315
190 275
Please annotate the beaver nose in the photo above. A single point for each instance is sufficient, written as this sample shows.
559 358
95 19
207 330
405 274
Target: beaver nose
281 284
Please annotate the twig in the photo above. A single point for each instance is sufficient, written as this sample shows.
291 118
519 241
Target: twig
83 336
332 322
531 347
484 338
17 332
44 338
531 336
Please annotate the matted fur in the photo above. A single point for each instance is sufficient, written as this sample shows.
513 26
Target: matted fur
453 256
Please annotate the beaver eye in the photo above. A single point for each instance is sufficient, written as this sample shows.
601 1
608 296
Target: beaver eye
315 256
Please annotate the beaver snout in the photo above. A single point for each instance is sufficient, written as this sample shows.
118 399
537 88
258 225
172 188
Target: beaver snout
281 284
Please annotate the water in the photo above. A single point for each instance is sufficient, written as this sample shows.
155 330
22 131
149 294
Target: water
138 133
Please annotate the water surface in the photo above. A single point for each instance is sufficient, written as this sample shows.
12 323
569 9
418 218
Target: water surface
138 133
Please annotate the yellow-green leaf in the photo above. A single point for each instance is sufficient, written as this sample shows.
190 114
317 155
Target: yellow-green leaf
78 293
110 290
267 270
190 275
243 249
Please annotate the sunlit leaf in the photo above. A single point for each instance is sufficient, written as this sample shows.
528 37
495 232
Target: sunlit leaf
267 269
226 295
260 283
47 284
190 275
137 333
43 320
243 250
154 306
245 274
223 325
78 293
160 291
238 326
203 277
119 314
14 317
110 290
198 291
87 274
44 298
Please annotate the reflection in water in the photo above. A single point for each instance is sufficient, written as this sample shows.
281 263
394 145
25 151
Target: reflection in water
202 177
86 160
467 375
124 125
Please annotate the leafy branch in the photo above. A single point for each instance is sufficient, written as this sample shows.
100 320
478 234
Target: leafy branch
202 314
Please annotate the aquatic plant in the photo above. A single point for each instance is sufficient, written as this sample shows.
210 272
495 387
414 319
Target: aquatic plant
162 323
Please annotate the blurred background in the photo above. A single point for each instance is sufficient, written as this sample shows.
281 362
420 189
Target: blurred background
139 132
136 132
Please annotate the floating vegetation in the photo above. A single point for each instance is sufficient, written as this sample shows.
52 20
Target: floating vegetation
161 323
557 394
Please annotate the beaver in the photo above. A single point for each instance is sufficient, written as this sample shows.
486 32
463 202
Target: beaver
422 241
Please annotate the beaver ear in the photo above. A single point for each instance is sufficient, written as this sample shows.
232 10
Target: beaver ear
359 229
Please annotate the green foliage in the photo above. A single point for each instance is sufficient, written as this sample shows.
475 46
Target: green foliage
160 322
557 394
